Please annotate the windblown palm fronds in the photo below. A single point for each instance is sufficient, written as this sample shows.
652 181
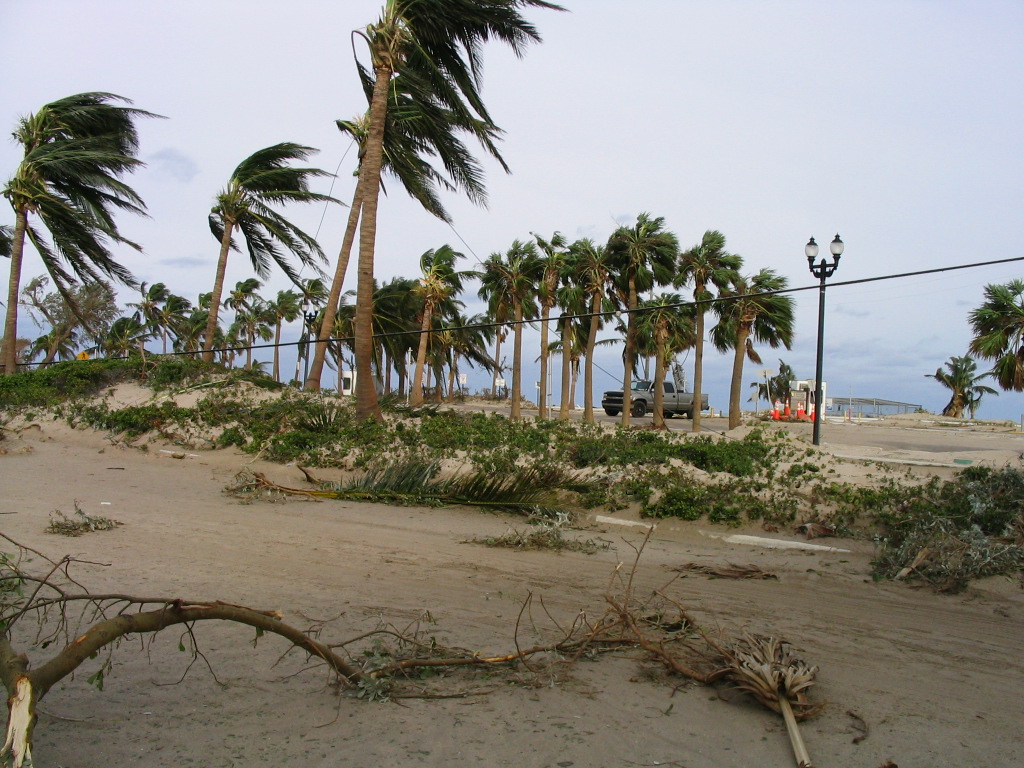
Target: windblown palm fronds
530 491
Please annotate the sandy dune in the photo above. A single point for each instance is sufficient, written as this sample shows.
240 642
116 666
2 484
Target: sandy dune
936 679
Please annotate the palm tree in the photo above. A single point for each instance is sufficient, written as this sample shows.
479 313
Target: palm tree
553 267
126 337
998 326
76 151
589 265
641 257
417 126
439 283
961 378
668 326
466 338
752 310
147 309
283 309
509 285
262 180
436 44
777 387
709 267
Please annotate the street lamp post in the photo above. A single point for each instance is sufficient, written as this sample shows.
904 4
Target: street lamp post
821 270
309 314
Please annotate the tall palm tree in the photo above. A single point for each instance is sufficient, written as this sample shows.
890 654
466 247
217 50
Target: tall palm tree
76 152
439 283
669 328
437 44
418 128
641 256
262 180
752 310
710 268
961 379
998 326
553 267
509 285
589 265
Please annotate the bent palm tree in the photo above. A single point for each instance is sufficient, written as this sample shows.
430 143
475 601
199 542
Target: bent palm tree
752 310
436 43
998 326
76 151
263 179
709 266
961 379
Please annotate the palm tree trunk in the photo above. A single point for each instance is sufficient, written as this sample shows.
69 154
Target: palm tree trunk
698 369
316 368
368 190
218 289
659 380
416 396
542 403
737 377
627 374
588 369
497 364
563 409
9 355
517 365
277 351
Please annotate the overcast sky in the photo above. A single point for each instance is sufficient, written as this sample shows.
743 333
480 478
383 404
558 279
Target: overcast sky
896 123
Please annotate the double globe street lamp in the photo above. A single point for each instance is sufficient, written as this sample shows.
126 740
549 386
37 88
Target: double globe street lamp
821 270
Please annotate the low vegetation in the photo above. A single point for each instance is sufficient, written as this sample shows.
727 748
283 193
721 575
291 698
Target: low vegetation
944 532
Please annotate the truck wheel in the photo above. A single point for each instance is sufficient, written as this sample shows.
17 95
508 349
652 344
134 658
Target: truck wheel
638 409
611 411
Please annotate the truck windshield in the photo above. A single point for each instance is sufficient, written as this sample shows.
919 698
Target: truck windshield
641 386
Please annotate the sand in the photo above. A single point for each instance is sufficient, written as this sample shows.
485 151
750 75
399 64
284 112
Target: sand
936 679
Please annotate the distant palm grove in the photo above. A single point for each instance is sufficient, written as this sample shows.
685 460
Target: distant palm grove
421 74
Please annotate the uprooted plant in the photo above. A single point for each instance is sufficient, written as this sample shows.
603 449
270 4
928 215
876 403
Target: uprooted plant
50 607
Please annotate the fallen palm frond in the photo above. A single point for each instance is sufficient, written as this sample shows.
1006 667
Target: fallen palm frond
530 491
545 537
726 572
767 669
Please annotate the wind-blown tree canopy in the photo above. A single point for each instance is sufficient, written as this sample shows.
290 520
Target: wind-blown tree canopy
264 179
76 152
437 45
96 306
753 311
641 256
709 267
961 379
418 130
998 326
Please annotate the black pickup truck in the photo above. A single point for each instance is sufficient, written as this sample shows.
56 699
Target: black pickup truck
642 397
